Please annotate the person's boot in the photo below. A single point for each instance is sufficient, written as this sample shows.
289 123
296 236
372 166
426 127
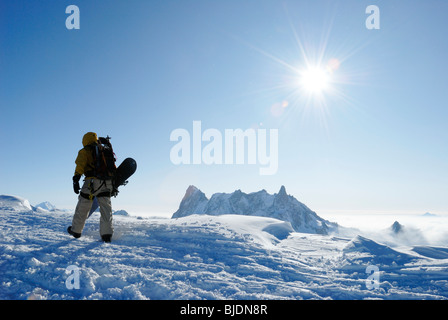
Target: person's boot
75 234
106 237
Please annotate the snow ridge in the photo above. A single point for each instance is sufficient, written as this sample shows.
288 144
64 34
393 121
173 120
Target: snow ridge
14 203
280 206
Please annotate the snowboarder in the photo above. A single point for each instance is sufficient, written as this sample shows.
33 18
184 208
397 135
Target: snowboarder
94 186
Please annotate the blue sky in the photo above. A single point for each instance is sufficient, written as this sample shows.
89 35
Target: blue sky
137 70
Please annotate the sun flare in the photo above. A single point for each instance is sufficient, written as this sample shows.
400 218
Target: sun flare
314 80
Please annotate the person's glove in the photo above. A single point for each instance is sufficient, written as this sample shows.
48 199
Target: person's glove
76 179
114 192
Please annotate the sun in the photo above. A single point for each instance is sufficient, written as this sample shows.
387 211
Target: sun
314 80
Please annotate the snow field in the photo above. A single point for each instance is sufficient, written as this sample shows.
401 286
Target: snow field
206 257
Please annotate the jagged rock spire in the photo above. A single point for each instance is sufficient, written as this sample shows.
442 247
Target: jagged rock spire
191 189
282 191
397 227
279 206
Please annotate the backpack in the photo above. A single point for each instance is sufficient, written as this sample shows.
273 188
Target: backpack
104 159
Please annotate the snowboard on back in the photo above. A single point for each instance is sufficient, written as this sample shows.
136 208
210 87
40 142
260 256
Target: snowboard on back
124 171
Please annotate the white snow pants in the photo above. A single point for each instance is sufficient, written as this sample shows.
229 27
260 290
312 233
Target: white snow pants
94 187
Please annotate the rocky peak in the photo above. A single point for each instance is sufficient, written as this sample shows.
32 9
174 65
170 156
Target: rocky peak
279 206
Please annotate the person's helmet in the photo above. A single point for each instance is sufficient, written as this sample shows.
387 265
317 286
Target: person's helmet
89 138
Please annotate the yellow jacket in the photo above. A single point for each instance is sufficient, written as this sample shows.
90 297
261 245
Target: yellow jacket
84 162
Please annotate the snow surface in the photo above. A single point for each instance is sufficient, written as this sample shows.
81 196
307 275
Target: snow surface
205 257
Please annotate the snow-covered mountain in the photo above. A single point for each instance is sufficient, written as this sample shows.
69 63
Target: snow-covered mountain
19 204
280 206
429 214
46 206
